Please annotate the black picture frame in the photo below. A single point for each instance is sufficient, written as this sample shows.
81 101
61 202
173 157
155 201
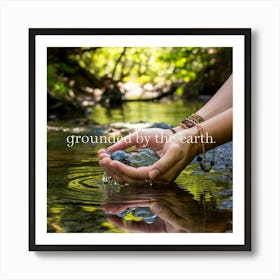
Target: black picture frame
35 33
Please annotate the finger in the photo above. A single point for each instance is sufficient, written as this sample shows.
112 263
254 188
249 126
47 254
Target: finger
132 181
130 172
120 177
115 176
104 155
131 175
126 142
127 174
107 170
166 214
164 164
105 161
115 208
101 151
104 164
118 222
130 225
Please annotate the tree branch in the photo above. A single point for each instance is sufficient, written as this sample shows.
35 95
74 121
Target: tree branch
117 62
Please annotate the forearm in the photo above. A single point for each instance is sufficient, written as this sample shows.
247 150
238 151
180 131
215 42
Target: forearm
216 131
221 101
219 127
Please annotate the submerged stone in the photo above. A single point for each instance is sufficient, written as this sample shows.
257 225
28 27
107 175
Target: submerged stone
144 213
121 156
143 157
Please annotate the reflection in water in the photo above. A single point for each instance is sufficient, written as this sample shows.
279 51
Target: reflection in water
198 202
85 204
176 209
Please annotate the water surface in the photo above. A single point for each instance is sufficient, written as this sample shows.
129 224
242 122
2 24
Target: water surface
79 202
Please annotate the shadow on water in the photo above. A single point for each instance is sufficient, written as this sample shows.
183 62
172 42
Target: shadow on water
78 201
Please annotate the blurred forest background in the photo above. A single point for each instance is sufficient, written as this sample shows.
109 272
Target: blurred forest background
81 78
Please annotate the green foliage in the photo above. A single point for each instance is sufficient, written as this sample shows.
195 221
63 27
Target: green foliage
204 68
179 91
56 81
145 64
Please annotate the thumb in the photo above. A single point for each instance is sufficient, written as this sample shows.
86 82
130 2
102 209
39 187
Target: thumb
125 142
153 173
164 213
165 163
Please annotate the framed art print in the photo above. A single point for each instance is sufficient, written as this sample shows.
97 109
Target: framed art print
140 139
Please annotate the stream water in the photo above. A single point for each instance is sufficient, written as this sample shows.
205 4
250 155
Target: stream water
78 201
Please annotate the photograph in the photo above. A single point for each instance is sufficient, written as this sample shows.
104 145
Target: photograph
139 139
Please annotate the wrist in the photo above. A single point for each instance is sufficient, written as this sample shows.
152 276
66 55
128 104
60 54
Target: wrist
174 130
177 128
190 137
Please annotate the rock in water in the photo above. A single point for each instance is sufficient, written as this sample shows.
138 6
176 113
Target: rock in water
143 157
121 156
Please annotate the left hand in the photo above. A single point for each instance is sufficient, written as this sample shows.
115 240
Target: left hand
174 154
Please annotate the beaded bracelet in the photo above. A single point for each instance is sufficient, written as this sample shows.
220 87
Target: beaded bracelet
198 118
203 166
191 121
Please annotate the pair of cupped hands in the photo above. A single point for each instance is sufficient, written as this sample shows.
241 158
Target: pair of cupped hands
174 154
175 208
171 218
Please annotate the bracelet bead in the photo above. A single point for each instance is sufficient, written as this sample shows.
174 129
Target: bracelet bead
202 159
